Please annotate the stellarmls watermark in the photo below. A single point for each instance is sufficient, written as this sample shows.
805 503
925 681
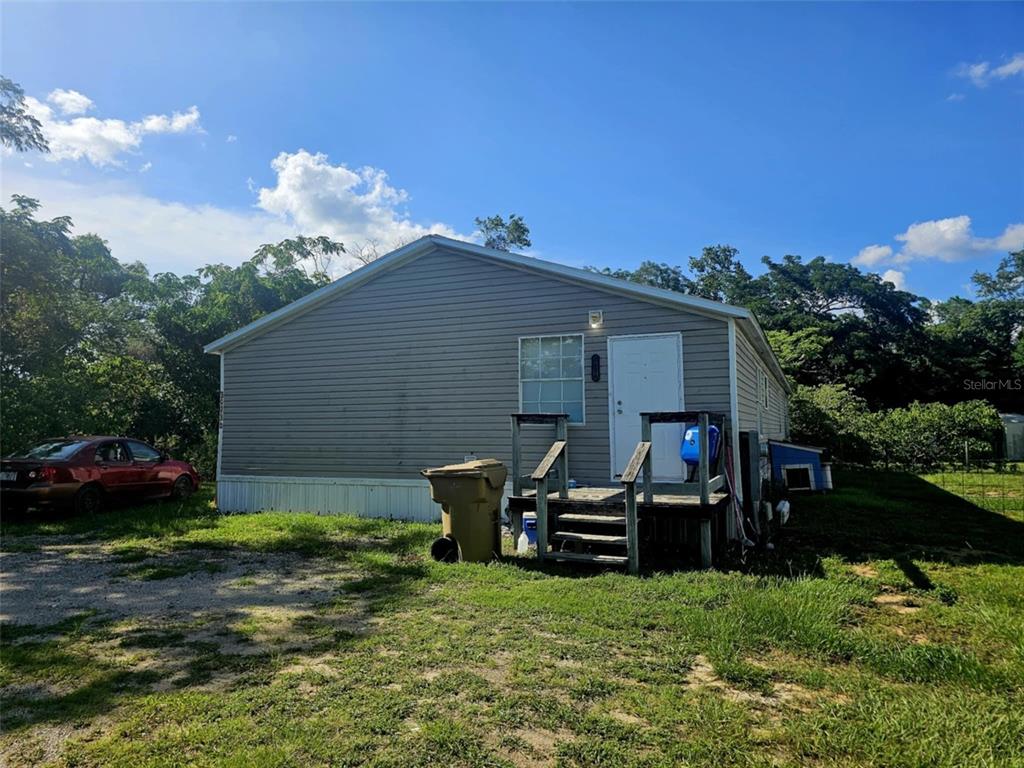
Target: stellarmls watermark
994 385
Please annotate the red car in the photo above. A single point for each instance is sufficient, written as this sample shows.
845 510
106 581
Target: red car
88 472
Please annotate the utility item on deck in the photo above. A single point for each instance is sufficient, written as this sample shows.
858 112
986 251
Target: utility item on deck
689 451
470 498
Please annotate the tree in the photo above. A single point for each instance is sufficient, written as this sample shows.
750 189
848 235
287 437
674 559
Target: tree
19 130
504 235
718 275
650 273
1006 283
801 353
312 256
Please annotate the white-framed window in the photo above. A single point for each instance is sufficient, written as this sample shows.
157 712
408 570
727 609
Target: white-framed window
551 375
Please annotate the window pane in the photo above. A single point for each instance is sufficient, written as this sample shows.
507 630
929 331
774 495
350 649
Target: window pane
550 347
530 348
550 368
571 368
142 452
551 390
530 369
551 406
572 390
531 391
531 407
572 346
575 411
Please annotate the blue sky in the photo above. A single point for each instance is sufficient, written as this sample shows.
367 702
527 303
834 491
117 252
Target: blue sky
886 134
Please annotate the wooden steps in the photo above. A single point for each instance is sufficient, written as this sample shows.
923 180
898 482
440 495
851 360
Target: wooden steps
589 538
578 557
571 517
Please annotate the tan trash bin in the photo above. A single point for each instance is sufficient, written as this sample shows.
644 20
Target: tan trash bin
470 497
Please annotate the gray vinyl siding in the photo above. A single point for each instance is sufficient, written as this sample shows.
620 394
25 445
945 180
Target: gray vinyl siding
419 367
746 384
772 422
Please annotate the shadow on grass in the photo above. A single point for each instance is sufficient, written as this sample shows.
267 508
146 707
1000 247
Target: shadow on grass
890 515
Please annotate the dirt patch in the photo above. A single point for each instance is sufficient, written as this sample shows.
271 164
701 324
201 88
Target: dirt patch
898 603
540 744
865 571
58 581
702 675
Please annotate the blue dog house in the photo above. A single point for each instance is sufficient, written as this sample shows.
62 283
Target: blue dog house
799 467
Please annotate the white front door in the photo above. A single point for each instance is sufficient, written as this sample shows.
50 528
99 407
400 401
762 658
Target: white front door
645 374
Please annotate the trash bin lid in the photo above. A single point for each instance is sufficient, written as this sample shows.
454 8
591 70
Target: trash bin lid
491 469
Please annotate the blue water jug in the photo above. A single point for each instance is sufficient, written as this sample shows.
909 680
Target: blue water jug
690 448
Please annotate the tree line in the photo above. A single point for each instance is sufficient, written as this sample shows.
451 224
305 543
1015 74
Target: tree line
92 344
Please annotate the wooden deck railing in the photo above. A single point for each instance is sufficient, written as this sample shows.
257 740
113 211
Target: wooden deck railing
557 457
709 479
636 463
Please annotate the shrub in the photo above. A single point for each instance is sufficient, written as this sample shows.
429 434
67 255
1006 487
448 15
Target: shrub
918 437
832 416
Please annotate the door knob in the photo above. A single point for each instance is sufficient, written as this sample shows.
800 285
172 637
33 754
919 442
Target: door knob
619 410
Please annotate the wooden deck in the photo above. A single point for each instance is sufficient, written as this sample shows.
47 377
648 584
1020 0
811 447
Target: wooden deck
611 524
614 497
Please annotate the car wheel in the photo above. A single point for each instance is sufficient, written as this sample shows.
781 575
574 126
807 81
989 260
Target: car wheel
88 500
182 488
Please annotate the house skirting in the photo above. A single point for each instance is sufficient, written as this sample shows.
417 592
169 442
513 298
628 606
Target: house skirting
397 499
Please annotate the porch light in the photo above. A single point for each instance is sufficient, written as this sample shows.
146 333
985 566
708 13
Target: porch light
596 318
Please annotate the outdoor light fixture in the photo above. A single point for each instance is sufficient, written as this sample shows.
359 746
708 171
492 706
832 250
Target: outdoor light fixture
596 318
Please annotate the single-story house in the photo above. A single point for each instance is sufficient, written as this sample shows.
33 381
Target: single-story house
335 402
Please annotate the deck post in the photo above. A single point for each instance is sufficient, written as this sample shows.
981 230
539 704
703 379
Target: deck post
542 518
632 534
705 544
704 470
645 436
517 472
562 433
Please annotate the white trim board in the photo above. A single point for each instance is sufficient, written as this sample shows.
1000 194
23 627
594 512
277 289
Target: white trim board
734 423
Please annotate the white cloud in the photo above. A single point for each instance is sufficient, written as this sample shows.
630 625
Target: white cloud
70 102
955 97
948 240
984 73
145 167
349 205
231 139
103 141
942 239
897 278
179 122
872 255
310 197
165 236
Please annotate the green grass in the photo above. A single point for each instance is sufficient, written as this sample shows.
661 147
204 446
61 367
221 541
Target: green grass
886 629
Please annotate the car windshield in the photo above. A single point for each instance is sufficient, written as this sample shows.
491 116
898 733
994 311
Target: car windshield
54 449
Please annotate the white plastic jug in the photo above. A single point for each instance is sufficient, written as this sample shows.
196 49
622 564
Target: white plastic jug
523 544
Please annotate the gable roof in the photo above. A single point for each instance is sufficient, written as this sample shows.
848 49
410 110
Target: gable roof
429 243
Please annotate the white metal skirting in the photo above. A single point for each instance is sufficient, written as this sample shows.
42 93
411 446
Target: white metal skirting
398 499
389 498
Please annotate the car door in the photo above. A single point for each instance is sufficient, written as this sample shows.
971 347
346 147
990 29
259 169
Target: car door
118 474
147 460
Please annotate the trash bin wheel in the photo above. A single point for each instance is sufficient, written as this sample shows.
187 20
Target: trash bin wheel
445 550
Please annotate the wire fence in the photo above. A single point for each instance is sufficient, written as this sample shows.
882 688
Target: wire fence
994 486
